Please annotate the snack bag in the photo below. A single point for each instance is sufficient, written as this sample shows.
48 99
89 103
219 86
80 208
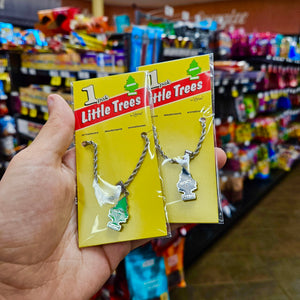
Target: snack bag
184 137
146 274
118 185
173 257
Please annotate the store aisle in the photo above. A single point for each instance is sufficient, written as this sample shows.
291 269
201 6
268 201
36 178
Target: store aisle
259 258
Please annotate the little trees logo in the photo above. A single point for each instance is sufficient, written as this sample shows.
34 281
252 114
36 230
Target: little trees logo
131 86
194 70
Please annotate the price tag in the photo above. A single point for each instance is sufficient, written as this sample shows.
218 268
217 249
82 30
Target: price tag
53 73
234 92
65 74
197 18
4 76
83 75
185 15
44 109
225 81
46 116
32 71
169 11
245 89
55 81
102 74
24 110
69 81
33 113
236 81
245 80
24 70
221 90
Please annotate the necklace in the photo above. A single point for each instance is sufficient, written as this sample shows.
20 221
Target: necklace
119 213
186 184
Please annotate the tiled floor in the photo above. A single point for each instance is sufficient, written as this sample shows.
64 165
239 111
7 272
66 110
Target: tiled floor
259 258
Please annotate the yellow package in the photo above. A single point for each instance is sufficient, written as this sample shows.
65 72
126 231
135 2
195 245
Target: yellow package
184 136
118 185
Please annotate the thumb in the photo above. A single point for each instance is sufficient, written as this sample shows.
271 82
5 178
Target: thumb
56 135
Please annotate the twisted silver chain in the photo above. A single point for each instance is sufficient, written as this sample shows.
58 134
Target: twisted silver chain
86 143
135 170
191 154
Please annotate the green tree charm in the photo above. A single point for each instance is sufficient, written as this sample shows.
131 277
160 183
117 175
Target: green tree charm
131 86
194 70
118 214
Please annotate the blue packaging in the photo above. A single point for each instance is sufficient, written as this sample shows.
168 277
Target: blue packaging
146 274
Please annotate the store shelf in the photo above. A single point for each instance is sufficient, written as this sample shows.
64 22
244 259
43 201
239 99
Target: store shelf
223 78
203 236
82 74
274 60
28 129
180 52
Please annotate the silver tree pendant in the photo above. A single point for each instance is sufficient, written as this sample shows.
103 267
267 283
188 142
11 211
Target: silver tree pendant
186 185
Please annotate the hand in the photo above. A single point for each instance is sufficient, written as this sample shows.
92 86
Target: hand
39 254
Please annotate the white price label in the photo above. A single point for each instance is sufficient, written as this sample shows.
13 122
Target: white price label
65 74
197 18
53 73
24 70
102 74
83 75
221 90
44 109
32 71
185 15
169 11
225 81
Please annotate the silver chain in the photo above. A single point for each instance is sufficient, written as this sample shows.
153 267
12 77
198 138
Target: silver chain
86 143
135 170
191 154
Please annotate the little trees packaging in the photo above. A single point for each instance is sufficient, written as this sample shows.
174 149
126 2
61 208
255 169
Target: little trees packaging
118 186
183 115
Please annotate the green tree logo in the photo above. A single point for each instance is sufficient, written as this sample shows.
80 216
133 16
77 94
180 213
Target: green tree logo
194 70
118 214
131 86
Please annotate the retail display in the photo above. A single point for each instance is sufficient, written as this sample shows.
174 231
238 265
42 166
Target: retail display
8 142
256 108
145 46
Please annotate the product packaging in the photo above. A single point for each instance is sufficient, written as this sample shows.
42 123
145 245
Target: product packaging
182 96
118 185
146 274
173 257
